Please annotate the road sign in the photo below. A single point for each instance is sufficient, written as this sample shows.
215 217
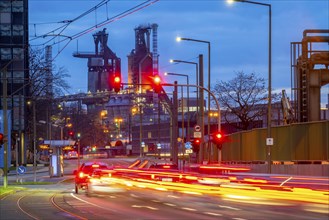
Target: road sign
197 134
188 151
197 128
188 145
21 169
269 141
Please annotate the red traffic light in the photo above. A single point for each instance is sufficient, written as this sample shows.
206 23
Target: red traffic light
2 139
71 133
117 83
196 144
218 138
117 79
157 84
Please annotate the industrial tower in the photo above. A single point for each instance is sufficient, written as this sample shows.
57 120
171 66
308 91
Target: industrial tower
103 64
310 62
142 63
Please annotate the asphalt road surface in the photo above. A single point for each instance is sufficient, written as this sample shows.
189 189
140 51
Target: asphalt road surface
58 201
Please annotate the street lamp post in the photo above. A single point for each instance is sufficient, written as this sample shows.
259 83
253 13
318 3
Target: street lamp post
269 140
209 58
196 75
210 93
34 144
188 102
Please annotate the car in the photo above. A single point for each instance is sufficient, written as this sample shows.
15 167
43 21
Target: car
71 155
82 175
164 171
164 166
101 181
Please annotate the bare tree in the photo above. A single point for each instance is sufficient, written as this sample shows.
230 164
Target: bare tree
243 98
44 77
46 82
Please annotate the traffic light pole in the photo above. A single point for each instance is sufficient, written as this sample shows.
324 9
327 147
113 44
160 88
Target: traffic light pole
34 144
174 119
201 105
175 85
5 129
216 101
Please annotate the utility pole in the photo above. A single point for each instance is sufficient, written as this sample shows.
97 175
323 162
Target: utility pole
5 128
34 143
158 149
201 104
141 147
174 151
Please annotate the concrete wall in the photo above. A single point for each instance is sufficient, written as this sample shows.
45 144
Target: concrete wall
292 169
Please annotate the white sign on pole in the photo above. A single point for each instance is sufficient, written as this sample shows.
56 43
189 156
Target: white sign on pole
197 128
269 141
197 134
188 151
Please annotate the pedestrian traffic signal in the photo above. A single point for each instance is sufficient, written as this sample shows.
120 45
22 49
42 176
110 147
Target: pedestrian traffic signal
1 139
157 84
196 144
117 83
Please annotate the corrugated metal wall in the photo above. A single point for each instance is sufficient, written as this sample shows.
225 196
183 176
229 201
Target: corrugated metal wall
307 141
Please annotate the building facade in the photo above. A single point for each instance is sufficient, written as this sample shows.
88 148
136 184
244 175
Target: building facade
14 65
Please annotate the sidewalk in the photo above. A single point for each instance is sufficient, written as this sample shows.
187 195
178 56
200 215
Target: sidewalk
42 174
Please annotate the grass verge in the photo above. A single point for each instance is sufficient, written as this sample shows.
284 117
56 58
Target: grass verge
10 189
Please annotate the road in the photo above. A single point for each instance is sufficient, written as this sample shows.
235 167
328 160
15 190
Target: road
58 201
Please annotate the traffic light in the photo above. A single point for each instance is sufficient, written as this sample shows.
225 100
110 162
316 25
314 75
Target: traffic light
196 144
218 138
1 139
71 134
157 84
117 83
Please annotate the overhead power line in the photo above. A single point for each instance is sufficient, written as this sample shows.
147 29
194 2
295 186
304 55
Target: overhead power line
57 33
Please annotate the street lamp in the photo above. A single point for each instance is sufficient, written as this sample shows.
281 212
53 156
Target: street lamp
188 102
209 58
269 140
196 75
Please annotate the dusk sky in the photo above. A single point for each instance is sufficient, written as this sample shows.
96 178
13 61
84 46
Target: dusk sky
238 34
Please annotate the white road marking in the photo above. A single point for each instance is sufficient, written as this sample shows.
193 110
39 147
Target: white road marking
212 213
228 207
189 209
143 206
169 204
